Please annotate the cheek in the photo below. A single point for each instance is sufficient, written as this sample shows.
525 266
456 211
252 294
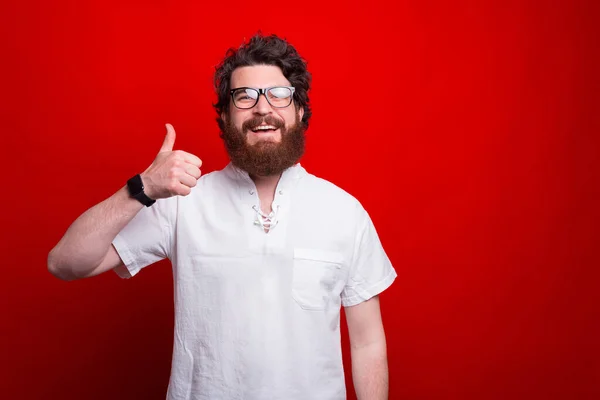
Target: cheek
237 119
289 118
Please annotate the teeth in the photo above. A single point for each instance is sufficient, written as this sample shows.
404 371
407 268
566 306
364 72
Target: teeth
264 127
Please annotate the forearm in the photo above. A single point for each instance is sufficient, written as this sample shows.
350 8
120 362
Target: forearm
86 242
370 371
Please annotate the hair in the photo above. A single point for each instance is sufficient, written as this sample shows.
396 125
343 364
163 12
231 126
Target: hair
264 50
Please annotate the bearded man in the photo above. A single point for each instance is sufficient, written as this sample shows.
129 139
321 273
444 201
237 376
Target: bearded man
264 254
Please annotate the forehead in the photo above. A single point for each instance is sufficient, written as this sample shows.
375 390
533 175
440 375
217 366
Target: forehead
258 76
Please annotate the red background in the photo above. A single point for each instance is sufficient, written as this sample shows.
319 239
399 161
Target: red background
469 131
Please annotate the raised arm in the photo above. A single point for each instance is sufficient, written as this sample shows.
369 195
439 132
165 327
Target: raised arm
85 250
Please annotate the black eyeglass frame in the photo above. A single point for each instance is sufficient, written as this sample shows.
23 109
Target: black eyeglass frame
263 92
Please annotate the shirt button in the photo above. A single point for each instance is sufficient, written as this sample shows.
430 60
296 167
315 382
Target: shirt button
281 192
251 191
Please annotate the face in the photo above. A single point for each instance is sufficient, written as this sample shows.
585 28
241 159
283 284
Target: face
259 151
261 76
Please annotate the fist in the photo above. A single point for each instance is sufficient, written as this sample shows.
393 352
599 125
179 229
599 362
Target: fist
173 173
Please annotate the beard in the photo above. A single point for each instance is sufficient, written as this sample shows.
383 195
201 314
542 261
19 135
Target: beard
266 157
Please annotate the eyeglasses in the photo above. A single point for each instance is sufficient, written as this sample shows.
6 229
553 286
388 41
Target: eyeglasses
277 96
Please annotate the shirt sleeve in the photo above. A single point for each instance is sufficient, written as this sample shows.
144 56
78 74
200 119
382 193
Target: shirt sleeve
371 271
146 239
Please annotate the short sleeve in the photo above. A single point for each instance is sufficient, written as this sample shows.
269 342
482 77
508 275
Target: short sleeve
371 271
146 239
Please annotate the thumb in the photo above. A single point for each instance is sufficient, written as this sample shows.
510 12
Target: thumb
169 139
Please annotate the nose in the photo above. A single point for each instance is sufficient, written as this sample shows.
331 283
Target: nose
263 107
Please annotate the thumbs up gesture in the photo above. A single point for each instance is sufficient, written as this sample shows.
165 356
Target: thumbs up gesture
173 173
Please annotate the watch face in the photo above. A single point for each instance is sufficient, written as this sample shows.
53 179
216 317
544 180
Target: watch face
136 190
135 185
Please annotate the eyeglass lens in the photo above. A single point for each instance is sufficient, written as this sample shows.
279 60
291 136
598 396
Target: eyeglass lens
276 96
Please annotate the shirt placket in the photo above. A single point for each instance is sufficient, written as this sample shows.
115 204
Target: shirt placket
260 241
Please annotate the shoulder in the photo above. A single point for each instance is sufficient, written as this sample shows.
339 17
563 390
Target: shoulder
327 194
323 186
213 177
215 180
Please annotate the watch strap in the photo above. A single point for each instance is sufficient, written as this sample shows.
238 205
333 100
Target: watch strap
136 190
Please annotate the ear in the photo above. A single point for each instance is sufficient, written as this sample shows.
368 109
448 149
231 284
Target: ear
301 112
224 116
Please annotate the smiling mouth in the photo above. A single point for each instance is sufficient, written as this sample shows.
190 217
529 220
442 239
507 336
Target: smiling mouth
264 128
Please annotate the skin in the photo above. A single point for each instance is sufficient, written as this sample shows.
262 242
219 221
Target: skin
261 76
368 350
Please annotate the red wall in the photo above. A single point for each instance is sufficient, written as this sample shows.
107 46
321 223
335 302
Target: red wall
469 130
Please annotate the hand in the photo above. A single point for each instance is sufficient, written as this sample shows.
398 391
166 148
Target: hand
173 173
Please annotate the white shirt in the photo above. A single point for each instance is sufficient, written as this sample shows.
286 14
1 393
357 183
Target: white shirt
257 314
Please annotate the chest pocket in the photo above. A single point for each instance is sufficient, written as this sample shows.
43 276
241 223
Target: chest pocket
316 273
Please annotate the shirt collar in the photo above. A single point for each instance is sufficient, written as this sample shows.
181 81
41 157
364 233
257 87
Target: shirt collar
289 176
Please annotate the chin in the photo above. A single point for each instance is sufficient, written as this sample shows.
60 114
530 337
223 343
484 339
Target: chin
265 145
266 139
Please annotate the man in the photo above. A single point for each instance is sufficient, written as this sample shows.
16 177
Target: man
263 253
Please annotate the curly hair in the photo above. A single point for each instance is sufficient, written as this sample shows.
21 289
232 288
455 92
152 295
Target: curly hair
264 50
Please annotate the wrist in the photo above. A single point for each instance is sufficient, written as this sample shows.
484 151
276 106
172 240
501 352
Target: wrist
138 191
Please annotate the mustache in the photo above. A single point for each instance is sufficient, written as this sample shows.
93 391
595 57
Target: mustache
256 121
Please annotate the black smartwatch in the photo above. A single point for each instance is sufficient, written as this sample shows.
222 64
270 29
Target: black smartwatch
136 190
